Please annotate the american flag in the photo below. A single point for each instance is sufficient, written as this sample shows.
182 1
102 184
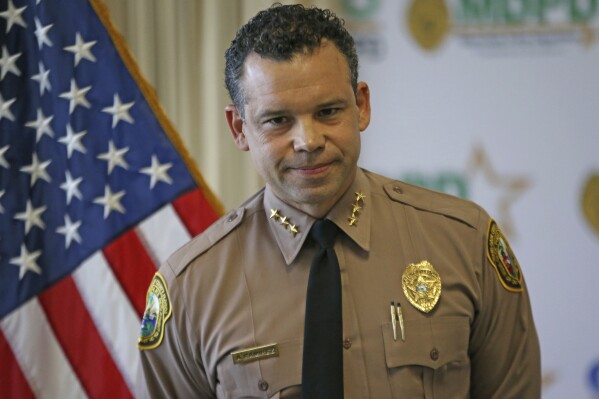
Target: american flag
96 191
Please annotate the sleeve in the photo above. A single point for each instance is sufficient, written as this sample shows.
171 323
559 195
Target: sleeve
170 363
504 347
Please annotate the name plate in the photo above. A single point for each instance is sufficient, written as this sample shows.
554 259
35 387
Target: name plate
256 353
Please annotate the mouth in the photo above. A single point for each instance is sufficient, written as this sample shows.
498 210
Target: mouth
311 170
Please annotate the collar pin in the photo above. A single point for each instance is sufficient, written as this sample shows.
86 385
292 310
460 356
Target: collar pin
284 220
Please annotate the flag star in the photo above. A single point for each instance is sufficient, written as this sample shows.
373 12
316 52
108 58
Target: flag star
1 195
69 230
81 49
43 78
119 111
32 217
7 63
41 125
27 262
13 16
71 186
73 141
5 108
76 96
37 170
157 172
3 161
41 32
111 201
114 157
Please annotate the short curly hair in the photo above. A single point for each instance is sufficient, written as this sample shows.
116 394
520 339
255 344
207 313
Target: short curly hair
279 33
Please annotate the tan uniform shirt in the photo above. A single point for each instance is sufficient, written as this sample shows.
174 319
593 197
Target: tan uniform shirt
242 284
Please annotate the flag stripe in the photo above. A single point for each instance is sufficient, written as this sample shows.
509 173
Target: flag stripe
13 383
80 341
116 320
132 266
195 211
29 335
163 233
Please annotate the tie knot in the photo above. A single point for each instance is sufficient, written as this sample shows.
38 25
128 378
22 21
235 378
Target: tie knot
324 232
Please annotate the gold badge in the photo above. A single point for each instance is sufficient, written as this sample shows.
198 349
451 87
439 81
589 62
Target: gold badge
253 354
590 201
422 285
503 259
157 312
429 22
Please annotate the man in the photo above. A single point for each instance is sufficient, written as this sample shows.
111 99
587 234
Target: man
427 305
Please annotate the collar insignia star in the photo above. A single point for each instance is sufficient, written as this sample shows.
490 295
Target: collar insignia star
356 208
285 222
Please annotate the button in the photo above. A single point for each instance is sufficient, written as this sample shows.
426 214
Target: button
347 343
397 189
232 217
434 354
262 385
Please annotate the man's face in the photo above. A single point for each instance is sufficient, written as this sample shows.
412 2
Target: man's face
302 126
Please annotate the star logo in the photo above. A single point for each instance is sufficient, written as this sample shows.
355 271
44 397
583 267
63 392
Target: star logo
505 188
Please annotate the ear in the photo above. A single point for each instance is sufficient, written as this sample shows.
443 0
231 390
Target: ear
236 126
363 103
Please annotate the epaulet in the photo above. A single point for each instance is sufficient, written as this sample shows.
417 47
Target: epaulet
436 202
204 241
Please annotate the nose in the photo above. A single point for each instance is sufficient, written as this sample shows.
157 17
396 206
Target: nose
307 136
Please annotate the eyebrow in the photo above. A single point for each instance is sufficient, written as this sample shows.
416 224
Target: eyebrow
273 113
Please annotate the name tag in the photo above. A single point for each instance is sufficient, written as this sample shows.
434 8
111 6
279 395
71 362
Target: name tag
256 353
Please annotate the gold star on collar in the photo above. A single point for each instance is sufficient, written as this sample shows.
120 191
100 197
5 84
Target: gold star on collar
356 208
284 220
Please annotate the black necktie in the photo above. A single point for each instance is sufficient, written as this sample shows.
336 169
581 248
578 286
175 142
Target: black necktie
322 369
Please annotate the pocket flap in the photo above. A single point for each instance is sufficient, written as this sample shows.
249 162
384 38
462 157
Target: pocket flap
430 342
284 371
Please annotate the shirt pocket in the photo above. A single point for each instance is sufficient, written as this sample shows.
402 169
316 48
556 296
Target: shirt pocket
274 377
433 361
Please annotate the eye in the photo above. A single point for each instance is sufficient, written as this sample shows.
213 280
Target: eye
279 120
328 112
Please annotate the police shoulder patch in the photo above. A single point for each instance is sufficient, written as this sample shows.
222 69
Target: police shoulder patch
503 259
157 312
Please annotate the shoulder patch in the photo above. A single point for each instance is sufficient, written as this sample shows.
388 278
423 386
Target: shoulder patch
158 311
502 258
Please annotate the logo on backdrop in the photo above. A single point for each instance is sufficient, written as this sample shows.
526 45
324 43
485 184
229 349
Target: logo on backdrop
590 201
480 175
366 30
594 378
428 22
503 25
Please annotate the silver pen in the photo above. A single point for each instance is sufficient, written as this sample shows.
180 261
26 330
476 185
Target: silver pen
394 321
401 325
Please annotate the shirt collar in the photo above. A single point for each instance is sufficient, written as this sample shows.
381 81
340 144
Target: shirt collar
291 227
